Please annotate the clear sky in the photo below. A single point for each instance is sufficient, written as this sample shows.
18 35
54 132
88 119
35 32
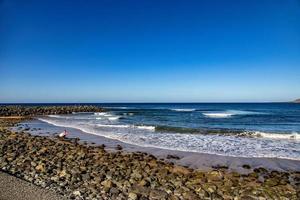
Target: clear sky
149 50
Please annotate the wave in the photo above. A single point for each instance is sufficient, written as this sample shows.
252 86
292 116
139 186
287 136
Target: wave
200 131
57 116
113 125
228 132
183 109
218 115
286 136
102 114
108 116
229 113
127 126
152 128
70 117
130 114
113 118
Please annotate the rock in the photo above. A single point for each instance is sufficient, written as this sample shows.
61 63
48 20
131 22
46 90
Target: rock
119 147
85 177
260 170
173 157
180 170
77 193
45 110
246 166
190 196
114 190
40 167
271 182
141 190
152 163
143 182
214 176
221 167
107 184
132 196
209 187
158 194
62 173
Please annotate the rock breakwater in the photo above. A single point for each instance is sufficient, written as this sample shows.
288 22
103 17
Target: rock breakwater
45 110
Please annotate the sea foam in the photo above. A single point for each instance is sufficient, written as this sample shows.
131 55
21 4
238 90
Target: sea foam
218 115
184 109
229 113
290 136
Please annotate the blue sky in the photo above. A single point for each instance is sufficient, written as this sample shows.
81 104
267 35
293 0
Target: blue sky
149 51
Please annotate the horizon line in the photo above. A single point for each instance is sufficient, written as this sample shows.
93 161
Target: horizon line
16 103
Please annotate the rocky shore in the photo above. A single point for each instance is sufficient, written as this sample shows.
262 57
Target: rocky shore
79 171
45 110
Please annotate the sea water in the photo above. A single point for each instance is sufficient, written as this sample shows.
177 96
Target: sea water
231 129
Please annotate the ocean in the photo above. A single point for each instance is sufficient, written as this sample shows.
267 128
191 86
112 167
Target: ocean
230 129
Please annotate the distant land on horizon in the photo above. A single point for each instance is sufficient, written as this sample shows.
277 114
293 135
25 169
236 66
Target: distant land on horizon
297 101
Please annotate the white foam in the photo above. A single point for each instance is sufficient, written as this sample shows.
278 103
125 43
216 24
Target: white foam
184 109
287 136
101 113
113 118
152 128
114 125
130 114
217 115
126 126
56 116
229 113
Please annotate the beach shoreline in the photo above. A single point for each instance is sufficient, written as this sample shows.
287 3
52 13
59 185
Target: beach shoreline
107 169
195 160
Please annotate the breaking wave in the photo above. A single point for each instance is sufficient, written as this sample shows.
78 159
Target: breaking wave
113 118
184 109
217 115
229 113
102 114
279 136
